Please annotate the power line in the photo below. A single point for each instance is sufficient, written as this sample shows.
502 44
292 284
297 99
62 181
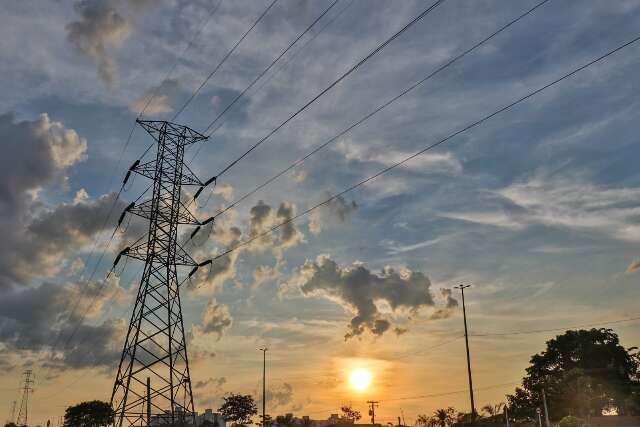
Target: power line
288 60
428 148
427 396
538 331
266 70
222 61
188 46
378 109
259 76
335 82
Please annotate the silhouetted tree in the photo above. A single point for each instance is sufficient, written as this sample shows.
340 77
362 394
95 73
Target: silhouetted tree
10 424
89 414
238 409
350 414
444 417
582 372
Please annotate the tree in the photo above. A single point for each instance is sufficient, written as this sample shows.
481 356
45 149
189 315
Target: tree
10 424
440 418
350 414
284 420
582 372
89 414
238 409
207 423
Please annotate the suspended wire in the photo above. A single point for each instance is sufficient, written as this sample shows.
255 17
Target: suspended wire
379 109
98 293
288 60
266 70
195 36
428 148
332 85
466 390
222 61
119 161
538 331
259 76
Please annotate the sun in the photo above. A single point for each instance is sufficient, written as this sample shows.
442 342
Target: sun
360 379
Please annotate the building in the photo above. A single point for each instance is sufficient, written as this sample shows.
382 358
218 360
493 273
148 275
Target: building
212 417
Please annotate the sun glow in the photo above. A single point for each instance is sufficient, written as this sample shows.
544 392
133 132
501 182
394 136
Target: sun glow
360 379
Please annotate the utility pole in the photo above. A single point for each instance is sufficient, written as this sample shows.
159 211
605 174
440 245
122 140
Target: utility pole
466 341
156 346
506 415
24 403
546 409
264 384
148 402
373 404
538 411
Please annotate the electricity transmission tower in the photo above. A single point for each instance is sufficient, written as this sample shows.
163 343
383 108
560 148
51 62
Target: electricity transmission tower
24 403
153 385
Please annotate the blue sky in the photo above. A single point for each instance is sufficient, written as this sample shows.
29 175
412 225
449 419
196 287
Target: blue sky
538 208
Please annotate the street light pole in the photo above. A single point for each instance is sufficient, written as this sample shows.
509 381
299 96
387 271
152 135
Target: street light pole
264 382
466 341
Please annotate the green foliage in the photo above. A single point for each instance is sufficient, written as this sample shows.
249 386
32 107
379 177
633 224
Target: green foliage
570 421
238 409
208 423
582 372
89 414
349 413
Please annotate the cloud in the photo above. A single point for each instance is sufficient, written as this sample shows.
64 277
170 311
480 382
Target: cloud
216 319
279 396
215 382
634 266
449 304
100 27
38 237
360 291
156 100
34 319
571 203
289 234
433 163
262 273
337 211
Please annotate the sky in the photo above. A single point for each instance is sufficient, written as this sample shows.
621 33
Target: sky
538 208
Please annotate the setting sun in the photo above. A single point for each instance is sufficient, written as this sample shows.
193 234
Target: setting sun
360 379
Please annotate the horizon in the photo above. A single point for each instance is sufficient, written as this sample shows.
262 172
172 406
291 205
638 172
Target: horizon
449 156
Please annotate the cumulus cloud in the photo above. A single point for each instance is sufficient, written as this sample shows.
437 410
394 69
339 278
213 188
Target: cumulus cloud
363 292
156 100
216 319
38 237
337 211
634 266
289 234
100 27
262 273
32 320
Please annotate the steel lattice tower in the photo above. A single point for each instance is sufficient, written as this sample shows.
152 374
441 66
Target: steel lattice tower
153 385
23 418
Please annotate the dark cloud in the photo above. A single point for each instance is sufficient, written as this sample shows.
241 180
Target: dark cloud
359 290
37 238
337 211
100 27
40 321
